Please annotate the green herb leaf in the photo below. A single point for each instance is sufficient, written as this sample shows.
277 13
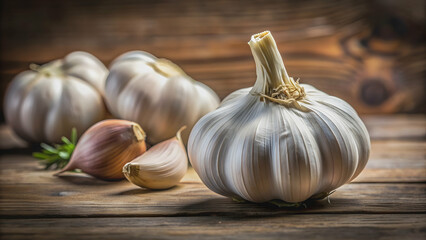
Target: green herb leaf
74 136
57 156
40 155
48 148
64 155
66 140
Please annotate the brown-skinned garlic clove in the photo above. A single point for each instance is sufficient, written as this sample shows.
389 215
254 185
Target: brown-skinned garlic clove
161 167
106 147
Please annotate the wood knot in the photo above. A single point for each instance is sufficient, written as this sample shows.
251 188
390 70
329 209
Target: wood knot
374 92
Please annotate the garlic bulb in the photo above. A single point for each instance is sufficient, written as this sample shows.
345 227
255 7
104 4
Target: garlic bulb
106 147
45 103
161 167
278 139
157 94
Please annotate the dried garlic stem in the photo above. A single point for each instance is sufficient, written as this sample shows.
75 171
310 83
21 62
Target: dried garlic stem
167 68
273 82
139 133
49 69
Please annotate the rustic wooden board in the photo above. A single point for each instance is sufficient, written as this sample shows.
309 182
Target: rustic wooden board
409 127
25 185
380 127
194 199
387 201
390 161
376 63
395 161
288 226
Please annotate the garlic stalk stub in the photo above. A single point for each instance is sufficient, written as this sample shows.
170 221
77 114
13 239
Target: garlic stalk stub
161 167
279 139
106 147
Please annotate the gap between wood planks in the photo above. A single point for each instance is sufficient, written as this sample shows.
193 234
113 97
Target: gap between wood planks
212 214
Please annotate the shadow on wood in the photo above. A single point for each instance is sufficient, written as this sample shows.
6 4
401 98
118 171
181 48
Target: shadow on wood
210 207
83 179
139 191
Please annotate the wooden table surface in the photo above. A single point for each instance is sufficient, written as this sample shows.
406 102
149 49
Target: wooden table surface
368 52
388 200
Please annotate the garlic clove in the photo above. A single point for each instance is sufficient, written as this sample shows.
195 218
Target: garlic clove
106 147
161 167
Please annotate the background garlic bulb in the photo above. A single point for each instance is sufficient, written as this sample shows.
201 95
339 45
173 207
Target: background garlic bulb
279 139
106 147
157 94
45 103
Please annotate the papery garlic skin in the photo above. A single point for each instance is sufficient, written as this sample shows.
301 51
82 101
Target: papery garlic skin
161 167
157 94
44 104
106 147
260 150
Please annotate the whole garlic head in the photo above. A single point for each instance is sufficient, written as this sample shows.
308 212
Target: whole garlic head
45 103
157 94
279 139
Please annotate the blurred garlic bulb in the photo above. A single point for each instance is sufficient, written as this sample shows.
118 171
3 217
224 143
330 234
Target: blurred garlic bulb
106 147
161 167
45 103
278 139
157 94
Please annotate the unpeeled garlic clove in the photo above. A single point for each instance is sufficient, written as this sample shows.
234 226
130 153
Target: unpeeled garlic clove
161 167
106 147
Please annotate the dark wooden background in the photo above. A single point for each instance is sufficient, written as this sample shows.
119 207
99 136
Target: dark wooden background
370 53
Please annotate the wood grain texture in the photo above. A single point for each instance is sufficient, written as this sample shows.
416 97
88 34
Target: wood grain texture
387 201
286 226
124 200
401 163
370 53
380 127
410 127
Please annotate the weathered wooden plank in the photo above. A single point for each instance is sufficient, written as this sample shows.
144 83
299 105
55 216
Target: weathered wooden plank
396 126
26 190
380 127
395 161
390 161
334 45
149 24
288 226
192 199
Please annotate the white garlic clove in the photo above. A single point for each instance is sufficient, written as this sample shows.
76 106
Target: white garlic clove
161 167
